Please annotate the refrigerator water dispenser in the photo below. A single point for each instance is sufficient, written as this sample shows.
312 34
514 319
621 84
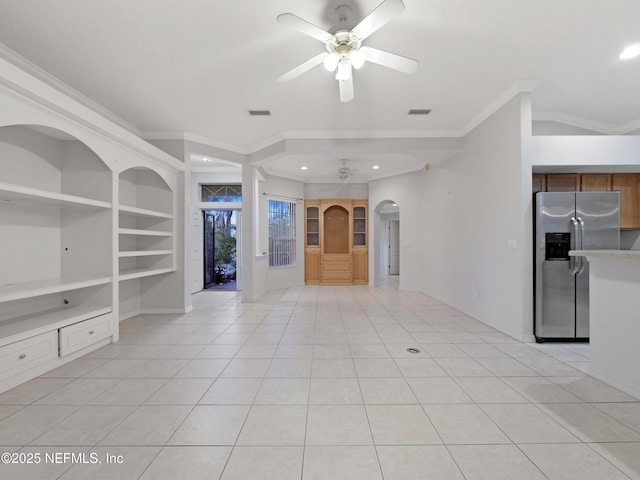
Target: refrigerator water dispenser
556 246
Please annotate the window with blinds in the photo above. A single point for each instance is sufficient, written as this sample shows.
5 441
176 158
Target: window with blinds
282 234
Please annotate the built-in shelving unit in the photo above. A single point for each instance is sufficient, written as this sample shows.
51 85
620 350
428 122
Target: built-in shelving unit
336 251
36 196
76 189
56 222
37 288
150 233
146 229
18 328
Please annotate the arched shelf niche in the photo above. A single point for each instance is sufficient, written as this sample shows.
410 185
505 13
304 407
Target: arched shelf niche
146 228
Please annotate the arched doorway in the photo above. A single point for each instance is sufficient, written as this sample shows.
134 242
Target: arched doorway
387 244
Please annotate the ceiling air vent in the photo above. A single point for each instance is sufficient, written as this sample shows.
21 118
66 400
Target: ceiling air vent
420 111
260 113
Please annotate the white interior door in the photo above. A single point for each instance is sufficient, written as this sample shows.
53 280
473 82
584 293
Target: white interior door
197 236
394 247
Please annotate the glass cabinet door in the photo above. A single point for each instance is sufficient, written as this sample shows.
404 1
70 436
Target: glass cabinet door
359 226
313 226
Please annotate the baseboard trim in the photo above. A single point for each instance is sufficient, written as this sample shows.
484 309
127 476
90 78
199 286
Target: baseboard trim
614 383
460 308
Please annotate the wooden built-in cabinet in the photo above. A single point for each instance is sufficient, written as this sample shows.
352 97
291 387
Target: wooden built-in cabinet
336 246
359 247
595 182
563 182
312 242
539 182
628 184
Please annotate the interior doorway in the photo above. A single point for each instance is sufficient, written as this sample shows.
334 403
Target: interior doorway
221 231
387 243
394 247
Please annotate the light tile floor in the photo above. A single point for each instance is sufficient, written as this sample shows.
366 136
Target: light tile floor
316 383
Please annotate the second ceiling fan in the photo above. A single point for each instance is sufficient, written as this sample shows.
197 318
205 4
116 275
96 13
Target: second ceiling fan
344 49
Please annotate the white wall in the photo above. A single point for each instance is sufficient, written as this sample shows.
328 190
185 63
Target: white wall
314 191
254 266
288 276
549 127
456 221
585 150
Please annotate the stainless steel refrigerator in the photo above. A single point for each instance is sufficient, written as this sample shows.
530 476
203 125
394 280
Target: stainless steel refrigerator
569 221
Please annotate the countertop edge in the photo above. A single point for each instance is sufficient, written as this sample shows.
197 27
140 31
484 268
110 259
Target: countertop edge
620 254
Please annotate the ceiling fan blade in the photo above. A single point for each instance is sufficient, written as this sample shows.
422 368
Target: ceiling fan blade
303 26
346 89
382 14
389 60
302 68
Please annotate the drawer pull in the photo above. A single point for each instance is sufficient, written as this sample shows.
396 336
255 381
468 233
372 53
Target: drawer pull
22 356
90 332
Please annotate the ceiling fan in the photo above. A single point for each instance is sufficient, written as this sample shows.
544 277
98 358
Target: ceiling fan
344 172
344 47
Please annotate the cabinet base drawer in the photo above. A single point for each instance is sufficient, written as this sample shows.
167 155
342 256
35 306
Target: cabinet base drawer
20 356
336 267
82 334
336 278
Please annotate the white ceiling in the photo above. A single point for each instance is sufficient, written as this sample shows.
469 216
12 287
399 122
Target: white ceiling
196 66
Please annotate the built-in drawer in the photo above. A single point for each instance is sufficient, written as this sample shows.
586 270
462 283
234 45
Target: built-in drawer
336 278
20 356
82 334
336 267
336 257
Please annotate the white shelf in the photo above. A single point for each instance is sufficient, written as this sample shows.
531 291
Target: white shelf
142 272
142 212
19 291
12 192
150 233
144 253
18 328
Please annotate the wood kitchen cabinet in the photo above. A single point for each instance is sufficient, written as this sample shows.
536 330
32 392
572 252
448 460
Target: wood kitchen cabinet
539 182
563 182
627 185
595 182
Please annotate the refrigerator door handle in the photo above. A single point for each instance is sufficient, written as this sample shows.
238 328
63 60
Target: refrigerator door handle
573 245
582 259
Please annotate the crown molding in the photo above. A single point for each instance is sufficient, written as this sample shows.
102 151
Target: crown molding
513 90
522 86
191 137
576 121
23 86
587 123
42 75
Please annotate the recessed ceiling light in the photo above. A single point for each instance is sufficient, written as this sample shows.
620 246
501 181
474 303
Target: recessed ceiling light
632 51
303 168
375 167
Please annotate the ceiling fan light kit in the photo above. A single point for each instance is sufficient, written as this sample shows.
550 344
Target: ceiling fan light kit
344 47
